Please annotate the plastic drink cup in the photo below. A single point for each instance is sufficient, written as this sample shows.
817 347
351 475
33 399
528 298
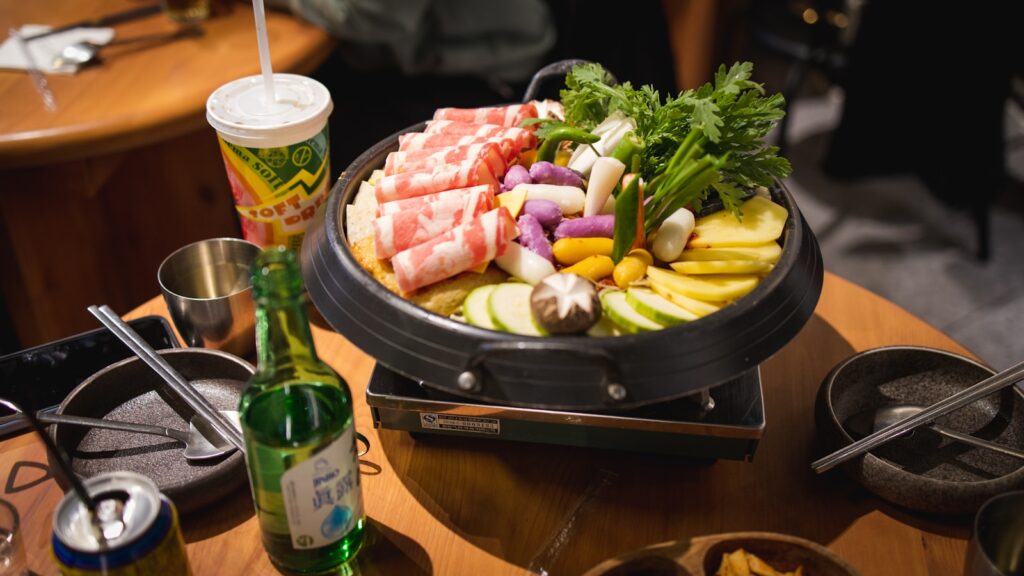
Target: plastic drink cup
275 153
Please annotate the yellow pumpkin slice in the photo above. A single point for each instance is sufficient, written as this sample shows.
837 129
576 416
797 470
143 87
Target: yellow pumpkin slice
763 221
698 307
721 267
712 288
770 253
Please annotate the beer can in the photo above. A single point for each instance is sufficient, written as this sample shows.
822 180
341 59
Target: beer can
139 527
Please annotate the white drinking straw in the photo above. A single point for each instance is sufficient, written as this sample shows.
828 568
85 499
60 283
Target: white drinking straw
264 45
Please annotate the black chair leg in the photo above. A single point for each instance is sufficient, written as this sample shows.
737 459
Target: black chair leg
982 225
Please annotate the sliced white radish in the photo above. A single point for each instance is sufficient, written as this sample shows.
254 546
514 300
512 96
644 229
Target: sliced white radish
611 131
524 264
603 177
672 235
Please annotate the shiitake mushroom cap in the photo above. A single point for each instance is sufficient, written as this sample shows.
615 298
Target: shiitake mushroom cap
565 304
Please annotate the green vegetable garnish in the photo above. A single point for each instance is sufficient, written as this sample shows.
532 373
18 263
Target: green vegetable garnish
729 118
627 209
554 137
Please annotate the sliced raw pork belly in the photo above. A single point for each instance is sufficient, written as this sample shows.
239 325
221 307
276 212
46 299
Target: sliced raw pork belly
410 184
396 232
414 141
431 158
455 251
523 138
501 115
417 203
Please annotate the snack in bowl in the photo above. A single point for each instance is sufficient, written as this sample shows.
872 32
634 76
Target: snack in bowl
611 185
743 563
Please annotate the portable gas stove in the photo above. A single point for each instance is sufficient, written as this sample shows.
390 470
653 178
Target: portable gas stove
726 421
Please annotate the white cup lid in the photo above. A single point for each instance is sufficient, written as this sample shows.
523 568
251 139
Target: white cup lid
239 111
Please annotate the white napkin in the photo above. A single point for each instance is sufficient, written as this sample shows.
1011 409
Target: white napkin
45 50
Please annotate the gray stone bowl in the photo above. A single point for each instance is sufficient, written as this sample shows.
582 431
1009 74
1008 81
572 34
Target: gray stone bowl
924 471
130 391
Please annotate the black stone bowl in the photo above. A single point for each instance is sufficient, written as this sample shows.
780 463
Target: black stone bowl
132 392
565 372
924 471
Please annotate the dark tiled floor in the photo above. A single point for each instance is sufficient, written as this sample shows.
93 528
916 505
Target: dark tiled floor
891 236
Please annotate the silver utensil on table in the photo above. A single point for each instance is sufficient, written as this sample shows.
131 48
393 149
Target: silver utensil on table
870 421
84 53
38 81
209 416
108 20
197 447
995 383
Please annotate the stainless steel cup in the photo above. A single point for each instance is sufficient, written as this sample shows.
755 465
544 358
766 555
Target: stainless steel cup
997 546
208 289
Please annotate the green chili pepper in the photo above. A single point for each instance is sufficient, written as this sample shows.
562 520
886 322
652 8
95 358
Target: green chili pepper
557 136
627 207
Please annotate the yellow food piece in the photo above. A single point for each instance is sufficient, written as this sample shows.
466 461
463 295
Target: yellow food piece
481 268
513 200
759 567
712 288
770 253
443 298
562 157
763 221
632 268
527 158
722 267
698 307
743 563
738 563
571 250
592 268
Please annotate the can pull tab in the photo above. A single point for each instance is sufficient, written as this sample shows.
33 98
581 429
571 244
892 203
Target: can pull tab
110 514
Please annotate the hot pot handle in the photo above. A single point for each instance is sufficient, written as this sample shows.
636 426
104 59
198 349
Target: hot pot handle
560 68
471 378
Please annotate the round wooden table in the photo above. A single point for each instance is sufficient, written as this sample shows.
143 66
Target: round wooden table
103 185
446 505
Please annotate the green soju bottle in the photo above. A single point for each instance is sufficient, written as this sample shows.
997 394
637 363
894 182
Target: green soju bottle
299 431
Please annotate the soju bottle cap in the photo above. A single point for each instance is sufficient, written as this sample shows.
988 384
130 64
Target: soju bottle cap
276 275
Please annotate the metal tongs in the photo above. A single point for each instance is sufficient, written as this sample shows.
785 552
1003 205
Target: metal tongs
962 398
223 427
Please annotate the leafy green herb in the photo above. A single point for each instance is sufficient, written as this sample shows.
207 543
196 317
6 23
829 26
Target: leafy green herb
731 117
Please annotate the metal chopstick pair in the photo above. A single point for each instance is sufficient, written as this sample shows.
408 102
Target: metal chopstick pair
217 421
962 398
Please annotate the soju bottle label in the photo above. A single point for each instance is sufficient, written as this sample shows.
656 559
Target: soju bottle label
321 495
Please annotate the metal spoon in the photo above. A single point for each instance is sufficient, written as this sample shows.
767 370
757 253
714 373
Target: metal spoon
85 53
197 447
869 422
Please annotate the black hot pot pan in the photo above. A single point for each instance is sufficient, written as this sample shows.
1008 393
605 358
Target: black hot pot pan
565 372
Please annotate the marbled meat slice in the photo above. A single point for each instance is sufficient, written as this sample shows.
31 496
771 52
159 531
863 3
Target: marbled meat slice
419 141
512 115
419 202
396 232
421 183
460 249
522 137
431 158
